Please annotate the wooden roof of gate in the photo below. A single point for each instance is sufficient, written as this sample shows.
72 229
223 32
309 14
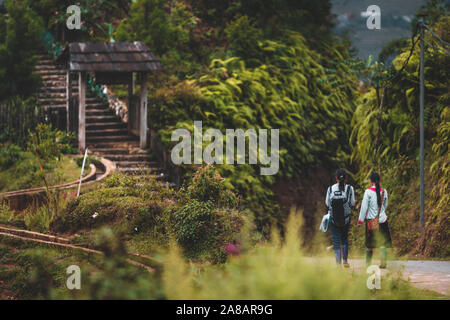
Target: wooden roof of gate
109 57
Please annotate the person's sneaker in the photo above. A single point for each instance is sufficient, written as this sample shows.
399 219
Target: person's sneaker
346 265
383 265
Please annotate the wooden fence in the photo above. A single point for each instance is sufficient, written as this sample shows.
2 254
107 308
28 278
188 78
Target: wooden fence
17 116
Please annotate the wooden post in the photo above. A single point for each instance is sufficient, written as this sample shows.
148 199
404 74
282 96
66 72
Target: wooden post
81 111
130 103
143 112
68 99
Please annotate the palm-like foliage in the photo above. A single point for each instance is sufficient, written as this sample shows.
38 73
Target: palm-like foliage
285 91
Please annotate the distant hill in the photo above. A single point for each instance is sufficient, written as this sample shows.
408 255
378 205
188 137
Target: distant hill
396 17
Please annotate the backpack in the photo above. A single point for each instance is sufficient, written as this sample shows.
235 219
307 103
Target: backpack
340 206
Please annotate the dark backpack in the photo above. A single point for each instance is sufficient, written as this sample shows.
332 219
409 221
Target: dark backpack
340 207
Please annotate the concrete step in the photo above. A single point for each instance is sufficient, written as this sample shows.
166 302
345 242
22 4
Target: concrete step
56 87
51 101
48 72
99 112
102 119
143 172
136 164
54 77
113 144
106 132
45 61
51 95
106 125
98 107
111 138
129 157
50 86
47 66
110 151
55 106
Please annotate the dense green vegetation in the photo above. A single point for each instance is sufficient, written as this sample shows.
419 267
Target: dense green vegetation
251 74
19 39
267 271
25 167
231 64
139 207
398 149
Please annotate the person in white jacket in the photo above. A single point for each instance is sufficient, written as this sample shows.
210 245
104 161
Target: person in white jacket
369 210
340 225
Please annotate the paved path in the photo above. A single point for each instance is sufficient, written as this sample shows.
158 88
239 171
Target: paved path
424 274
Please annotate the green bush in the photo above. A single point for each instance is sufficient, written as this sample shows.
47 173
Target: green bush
243 38
290 89
203 230
36 277
43 142
147 23
132 203
89 160
207 185
18 49
66 140
6 215
38 218
112 276
9 154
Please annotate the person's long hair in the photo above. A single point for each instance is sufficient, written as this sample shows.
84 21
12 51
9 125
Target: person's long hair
375 178
341 175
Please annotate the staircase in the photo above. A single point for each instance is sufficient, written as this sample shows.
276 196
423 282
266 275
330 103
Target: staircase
106 135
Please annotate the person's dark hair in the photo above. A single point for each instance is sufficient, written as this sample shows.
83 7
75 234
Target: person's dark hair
340 175
375 178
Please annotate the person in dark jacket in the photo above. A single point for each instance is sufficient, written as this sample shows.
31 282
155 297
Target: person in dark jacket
339 231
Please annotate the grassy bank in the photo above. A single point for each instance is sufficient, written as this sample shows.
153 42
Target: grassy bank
25 173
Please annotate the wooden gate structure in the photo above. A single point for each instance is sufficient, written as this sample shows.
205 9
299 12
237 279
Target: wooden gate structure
112 63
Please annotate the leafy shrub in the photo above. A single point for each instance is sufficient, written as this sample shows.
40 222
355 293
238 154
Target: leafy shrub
9 154
6 215
207 185
36 278
134 202
66 140
114 277
44 142
149 24
288 89
243 37
89 160
38 218
146 219
98 208
203 230
18 49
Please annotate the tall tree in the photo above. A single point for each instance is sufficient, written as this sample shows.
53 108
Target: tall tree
18 49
